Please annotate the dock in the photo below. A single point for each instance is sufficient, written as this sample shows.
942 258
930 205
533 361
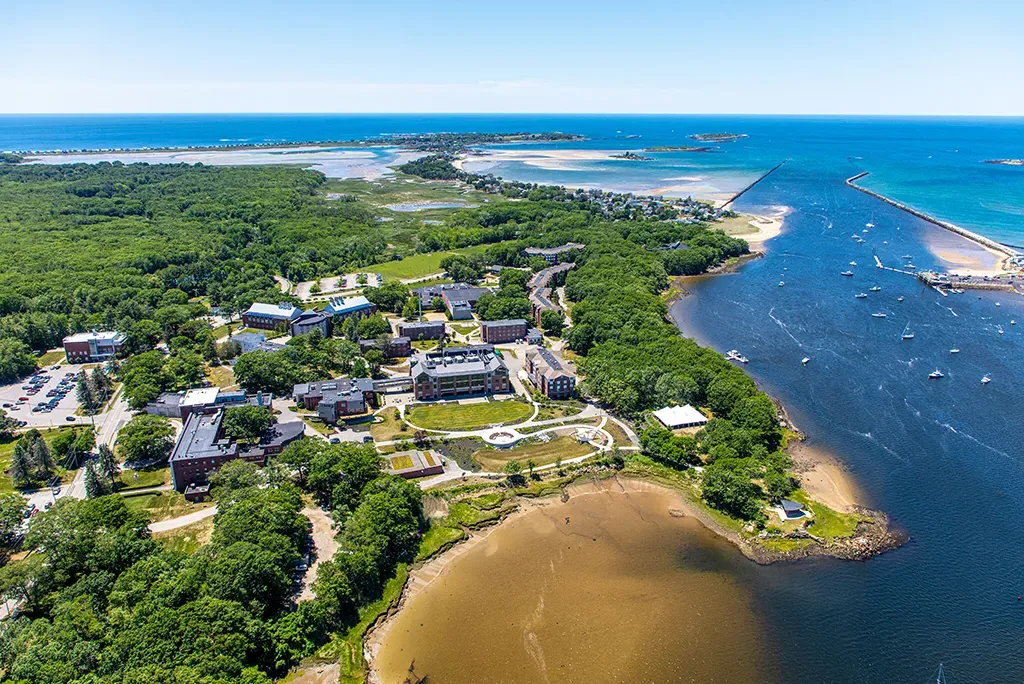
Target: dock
761 178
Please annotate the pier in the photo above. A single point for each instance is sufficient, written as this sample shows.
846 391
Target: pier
953 228
761 178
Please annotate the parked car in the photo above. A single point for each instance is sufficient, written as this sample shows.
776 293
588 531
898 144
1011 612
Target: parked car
70 419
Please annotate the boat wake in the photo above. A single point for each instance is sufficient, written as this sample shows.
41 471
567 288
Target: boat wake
948 309
784 328
974 439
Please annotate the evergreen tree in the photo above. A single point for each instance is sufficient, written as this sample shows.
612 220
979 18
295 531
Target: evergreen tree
21 471
108 465
86 395
350 329
93 488
41 459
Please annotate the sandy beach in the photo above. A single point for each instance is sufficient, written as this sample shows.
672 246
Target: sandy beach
755 228
824 478
965 257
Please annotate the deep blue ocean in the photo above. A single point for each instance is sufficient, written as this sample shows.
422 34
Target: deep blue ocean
943 457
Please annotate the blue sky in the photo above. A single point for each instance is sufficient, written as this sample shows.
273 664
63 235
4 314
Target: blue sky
659 56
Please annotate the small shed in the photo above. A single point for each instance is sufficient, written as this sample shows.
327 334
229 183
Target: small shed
793 509
674 417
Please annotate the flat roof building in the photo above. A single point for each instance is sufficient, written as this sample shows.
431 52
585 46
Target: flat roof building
271 316
422 330
204 400
202 448
340 308
92 346
549 373
458 371
508 330
410 464
308 321
332 399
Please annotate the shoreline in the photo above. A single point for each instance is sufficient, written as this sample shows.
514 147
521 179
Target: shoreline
861 546
1003 253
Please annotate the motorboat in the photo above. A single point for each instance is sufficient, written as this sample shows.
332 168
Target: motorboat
876 288
861 295
805 360
954 351
985 380
853 263
781 283
899 299
907 256
936 374
878 315
870 225
846 273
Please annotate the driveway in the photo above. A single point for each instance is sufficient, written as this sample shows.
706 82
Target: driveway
324 546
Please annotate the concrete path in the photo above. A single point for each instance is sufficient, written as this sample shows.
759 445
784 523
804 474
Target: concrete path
182 521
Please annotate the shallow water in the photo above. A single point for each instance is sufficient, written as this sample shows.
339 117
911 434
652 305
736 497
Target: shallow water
608 587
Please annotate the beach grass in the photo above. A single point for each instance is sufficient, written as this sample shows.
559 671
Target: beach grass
468 416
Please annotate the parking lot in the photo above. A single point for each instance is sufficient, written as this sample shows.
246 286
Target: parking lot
54 389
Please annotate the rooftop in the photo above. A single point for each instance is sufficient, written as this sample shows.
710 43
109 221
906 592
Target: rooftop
204 395
340 305
507 321
282 310
456 361
98 336
551 251
200 438
673 416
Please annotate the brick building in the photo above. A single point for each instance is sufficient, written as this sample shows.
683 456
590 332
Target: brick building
271 316
92 346
458 371
332 399
508 330
549 373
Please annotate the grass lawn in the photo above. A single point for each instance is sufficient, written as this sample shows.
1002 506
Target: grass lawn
162 505
827 524
221 376
419 265
318 424
50 358
389 428
465 329
468 416
144 479
542 453
222 330
7 452
618 434
186 539
565 409
739 225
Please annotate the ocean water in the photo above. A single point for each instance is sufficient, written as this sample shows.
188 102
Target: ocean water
942 457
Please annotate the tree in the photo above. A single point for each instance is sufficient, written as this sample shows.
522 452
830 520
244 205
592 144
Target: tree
185 368
530 465
274 372
732 492
360 369
85 395
437 304
93 487
145 439
246 422
69 446
108 465
462 268
16 360
514 470
552 323
349 329
370 327
374 359
11 506
411 310
20 469
390 296
234 479
33 457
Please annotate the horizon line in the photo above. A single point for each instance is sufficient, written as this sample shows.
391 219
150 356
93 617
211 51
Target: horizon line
530 113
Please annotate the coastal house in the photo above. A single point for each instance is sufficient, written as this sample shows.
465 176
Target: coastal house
676 417
89 347
792 510
271 316
458 371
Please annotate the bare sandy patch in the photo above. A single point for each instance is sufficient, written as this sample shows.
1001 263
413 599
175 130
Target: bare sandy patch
825 479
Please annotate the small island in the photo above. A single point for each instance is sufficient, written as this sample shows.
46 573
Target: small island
632 156
718 137
1006 162
679 148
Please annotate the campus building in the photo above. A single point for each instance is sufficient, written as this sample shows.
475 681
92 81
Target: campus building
202 449
540 301
341 308
549 373
92 346
508 330
393 347
552 254
255 341
459 298
544 277
308 321
458 371
411 464
422 330
204 400
271 316
332 399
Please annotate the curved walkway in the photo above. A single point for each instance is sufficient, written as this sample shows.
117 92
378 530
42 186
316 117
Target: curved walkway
182 521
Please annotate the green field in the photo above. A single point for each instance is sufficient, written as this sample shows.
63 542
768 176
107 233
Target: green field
51 358
186 539
144 479
827 524
162 505
468 416
419 265
542 453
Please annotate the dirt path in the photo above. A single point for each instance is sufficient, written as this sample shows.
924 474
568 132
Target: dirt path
324 544
181 521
